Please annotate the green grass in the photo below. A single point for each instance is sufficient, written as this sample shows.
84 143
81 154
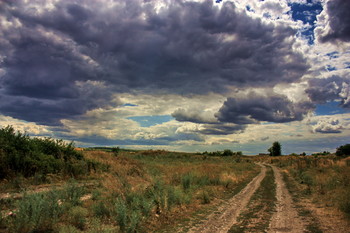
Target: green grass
260 207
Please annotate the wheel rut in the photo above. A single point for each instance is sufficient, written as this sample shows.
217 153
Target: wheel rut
286 218
221 220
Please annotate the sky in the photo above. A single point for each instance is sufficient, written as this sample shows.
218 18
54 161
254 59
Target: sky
179 75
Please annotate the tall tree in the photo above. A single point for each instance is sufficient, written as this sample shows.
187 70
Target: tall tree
275 149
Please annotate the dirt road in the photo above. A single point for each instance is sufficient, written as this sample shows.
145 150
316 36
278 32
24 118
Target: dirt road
222 219
286 218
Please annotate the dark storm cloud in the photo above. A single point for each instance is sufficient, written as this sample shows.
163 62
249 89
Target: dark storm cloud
184 48
193 115
221 129
254 107
329 89
209 124
50 111
339 21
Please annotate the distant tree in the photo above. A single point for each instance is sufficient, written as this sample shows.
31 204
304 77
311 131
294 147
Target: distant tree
303 154
116 150
275 149
227 153
238 153
343 150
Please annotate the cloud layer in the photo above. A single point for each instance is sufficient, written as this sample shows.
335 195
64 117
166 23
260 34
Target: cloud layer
338 23
175 73
61 59
254 107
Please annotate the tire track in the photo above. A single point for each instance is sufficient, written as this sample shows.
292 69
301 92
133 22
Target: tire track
286 218
221 220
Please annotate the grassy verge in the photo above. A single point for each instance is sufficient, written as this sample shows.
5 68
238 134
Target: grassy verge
198 216
312 225
260 208
137 192
323 179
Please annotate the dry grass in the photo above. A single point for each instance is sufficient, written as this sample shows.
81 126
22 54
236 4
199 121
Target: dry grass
149 190
324 179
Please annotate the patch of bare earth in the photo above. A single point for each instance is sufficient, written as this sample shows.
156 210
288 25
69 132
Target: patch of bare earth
221 220
286 218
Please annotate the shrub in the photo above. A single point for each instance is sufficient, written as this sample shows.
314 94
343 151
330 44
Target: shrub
37 212
227 153
72 193
20 154
77 217
343 150
186 181
68 229
100 210
121 214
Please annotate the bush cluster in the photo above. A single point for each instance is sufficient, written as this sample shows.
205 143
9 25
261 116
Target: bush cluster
226 152
21 154
343 150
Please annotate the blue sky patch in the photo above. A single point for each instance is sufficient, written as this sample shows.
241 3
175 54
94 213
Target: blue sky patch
147 121
330 68
129 105
330 108
307 14
334 54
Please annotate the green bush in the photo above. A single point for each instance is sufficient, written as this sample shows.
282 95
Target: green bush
36 213
187 181
72 193
20 154
121 214
68 229
100 210
227 153
343 150
77 217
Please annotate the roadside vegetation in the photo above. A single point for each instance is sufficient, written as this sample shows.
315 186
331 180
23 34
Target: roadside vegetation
324 179
23 156
108 190
46 185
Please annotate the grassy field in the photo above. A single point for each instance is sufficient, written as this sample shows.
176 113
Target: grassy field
323 179
47 185
129 192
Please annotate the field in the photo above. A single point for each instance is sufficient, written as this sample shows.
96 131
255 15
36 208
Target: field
142 191
47 185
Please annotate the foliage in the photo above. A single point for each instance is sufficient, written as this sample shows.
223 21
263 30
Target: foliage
275 149
322 153
323 178
72 193
20 154
343 150
77 217
116 150
226 152
36 213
